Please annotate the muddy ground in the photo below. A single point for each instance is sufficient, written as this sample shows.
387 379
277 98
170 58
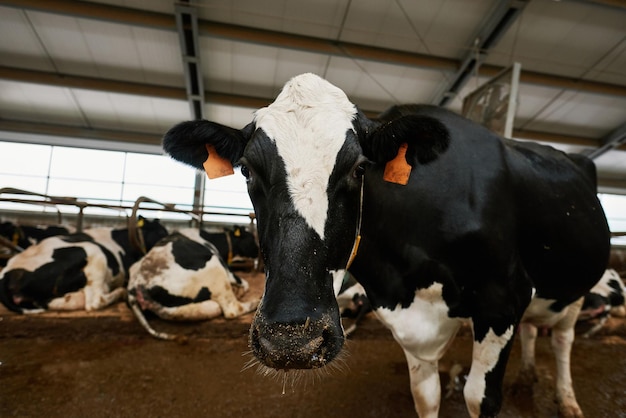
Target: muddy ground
105 365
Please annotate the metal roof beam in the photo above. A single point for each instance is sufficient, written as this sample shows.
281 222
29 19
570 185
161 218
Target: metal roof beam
553 138
187 26
501 18
65 135
124 87
162 21
152 90
618 4
615 139
146 138
91 83
97 11
127 141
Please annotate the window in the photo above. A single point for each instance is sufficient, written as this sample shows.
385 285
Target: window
86 174
114 178
26 163
615 210
228 195
157 177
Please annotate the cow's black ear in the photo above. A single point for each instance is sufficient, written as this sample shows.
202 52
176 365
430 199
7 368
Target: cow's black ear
186 142
426 137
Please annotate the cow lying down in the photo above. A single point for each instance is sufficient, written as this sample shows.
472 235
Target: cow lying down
607 297
183 278
26 235
23 236
234 245
84 270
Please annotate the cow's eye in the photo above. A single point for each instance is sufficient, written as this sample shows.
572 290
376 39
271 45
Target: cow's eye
359 170
246 172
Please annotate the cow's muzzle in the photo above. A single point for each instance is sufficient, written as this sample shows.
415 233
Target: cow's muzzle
309 345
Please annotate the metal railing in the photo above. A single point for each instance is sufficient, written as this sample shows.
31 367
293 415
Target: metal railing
142 203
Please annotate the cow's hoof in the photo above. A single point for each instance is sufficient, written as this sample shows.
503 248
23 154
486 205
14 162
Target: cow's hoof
570 410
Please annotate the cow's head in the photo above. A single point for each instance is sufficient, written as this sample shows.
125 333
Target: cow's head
304 157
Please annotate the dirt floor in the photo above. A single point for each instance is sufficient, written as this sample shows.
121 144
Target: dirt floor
105 365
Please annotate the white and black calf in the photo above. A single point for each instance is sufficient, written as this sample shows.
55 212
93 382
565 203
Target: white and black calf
184 278
438 218
85 270
607 297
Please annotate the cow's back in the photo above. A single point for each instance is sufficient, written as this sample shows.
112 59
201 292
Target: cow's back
488 206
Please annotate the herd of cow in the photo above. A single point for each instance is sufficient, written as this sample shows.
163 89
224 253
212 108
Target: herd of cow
442 222
183 276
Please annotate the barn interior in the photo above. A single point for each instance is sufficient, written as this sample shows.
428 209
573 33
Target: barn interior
115 75
88 88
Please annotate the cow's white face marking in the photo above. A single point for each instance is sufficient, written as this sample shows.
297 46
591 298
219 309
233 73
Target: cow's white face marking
308 122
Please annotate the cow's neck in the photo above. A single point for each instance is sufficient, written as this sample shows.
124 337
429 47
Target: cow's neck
388 266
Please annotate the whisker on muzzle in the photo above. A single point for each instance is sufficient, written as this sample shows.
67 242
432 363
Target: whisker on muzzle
295 379
252 361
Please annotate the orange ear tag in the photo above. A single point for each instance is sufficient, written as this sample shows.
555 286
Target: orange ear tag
398 170
216 166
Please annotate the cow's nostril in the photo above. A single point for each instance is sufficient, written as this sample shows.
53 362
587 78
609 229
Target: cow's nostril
308 345
266 345
313 346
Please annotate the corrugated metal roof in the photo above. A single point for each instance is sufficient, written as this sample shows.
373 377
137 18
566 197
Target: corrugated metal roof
116 65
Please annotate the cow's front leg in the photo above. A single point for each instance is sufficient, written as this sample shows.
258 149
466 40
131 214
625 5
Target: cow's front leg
425 387
96 298
72 301
562 340
483 389
234 308
199 311
102 288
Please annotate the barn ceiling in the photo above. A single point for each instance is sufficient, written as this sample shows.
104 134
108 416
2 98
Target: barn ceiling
112 72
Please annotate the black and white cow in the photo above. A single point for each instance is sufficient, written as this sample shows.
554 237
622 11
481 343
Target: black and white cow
26 235
233 244
607 297
23 236
439 219
85 270
352 300
184 278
